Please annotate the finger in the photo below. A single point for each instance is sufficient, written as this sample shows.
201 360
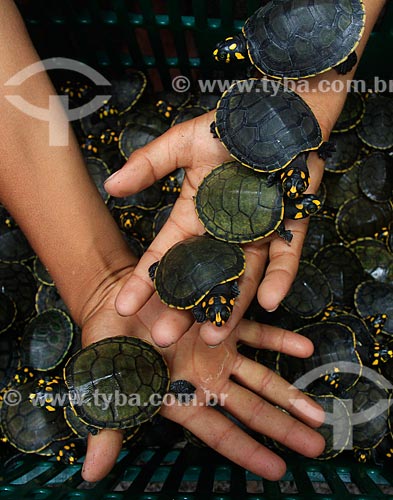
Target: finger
256 255
180 146
277 339
269 385
283 266
222 435
261 416
171 326
139 288
102 452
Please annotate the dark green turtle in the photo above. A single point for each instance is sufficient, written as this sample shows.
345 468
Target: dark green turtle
41 273
348 152
367 434
134 137
373 298
341 187
200 274
375 258
310 292
352 113
48 297
376 177
46 340
376 127
147 116
77 92
134 244
238 205
124 369
187 113
161 217
334 347
359 217
30 427
298 38
126 92
136 222
147 199
342 269
171 186
266 126
321 232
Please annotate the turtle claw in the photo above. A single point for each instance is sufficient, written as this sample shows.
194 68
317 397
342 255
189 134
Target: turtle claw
286 234
271 179
346 66
213 130
199 314
326 150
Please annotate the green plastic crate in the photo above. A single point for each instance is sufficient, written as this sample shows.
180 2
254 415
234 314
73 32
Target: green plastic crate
190 29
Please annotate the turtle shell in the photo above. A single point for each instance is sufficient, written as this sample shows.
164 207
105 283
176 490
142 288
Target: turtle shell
352 113
30 427
187 113
17 281
376 177
147 199
376 128
365 395
9 358
265 125
375 258
341 187
235 204
7 312
310 292
127 91
373 297
161 217
342 269
134 137
14 246
334 343
46 340
41 273
126 370
321 232
360 217
301 38
99 172
348 152
145 116
191 268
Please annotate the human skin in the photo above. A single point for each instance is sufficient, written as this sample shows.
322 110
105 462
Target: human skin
50 194
190 145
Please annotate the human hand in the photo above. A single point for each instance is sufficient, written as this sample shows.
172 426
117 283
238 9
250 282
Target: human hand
248 390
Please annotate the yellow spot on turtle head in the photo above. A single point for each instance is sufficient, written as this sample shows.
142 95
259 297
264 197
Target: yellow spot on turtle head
218 319
302 175
233 46
167 114
50 408
317 203
223 300
290 173
203 304
299 206
293 189
229 38
239 55
228 58
211 301
232 302
214 54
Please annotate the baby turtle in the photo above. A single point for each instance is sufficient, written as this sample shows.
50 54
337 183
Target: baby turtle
352 113
134 137
373 298
348 152
375 258
239 205
126 92
341 187
321 232
265 127
376 128
376 177
298 38
310 292
113 369
200 274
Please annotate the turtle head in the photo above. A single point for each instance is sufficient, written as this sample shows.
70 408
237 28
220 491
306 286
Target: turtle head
311 204
233 48
165 109
294 183
218 309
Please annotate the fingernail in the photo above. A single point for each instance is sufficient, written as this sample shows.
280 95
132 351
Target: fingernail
111 177
272 310
214 346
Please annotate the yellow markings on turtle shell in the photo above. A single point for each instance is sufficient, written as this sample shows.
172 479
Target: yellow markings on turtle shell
66 447
167 114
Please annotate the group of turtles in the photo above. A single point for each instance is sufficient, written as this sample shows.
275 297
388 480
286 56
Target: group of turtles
341 298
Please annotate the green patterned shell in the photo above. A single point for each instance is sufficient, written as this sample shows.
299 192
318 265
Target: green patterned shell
191 268
301 38
235 204
265 125
116 382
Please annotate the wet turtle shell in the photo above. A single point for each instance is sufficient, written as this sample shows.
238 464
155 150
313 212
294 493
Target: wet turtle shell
342 269
8 312
46 340
193 267
321 232
376 177
30 427
352 113
301 38
360 217
265 126
310 292
376 127
134 137
348 152
373 297
375 258
334 343
117 367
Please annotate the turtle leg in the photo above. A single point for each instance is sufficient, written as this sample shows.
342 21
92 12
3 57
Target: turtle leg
346 66
286 234
235 292
213 130
326 150
152 270
272 178
199 314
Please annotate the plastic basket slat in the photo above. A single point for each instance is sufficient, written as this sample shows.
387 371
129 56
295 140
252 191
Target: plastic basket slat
177 27
128 33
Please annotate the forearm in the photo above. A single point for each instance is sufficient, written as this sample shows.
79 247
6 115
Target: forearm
47 188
